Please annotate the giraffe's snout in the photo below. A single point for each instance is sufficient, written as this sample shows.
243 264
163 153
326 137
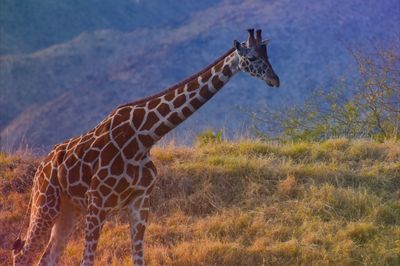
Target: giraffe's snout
273 81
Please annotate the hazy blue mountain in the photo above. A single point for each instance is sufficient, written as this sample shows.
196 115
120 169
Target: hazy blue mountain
64 79
29 25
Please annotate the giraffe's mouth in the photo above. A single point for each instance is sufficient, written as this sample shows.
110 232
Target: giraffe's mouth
273 82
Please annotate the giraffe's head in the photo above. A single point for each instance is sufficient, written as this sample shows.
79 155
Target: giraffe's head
253 58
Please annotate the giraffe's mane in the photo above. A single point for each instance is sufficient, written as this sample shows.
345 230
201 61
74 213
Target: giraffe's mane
179 84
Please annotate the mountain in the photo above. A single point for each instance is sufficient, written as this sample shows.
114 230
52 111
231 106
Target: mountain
64 66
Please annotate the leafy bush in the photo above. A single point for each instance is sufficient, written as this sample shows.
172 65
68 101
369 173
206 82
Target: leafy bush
209 137
371 109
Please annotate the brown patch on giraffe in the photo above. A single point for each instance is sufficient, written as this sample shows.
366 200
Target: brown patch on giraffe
218 66
50 190
192 85
47 169
103 128
100 142
139 247
40 200
138 116
104 190
138 261
205 93
169 96
195 103
74 173
80 149
144 213
53 177
163 109
139 156
96 211
162 129
121 116
154 103
102 215
102 174
227 71
174 119
125 196
88 137
179 101
53 212
206 76
108 153
133 172
186 112
59 157
71 159
121 134
180 90
150 188
110 181
192 95
77 190
90 156
131 149
217 83
93 221
62 176
146 140
73 142
140 228
86 173
111 201
95 182
150 165
117 166
150 120
122 185
146 179
118 120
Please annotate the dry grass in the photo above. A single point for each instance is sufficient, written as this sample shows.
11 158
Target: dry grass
249 203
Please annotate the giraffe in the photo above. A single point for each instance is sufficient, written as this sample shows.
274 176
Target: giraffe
109 169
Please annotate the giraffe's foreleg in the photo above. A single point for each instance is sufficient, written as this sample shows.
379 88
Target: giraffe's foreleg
138 212
95 218
60 233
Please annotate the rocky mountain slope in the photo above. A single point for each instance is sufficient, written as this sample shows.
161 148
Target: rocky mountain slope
60 75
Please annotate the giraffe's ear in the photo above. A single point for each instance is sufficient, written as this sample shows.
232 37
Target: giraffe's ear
265 42
238 46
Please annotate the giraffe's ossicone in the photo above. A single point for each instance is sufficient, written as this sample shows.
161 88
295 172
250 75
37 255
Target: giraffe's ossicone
108 169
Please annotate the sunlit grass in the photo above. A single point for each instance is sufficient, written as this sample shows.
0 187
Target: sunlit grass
251 203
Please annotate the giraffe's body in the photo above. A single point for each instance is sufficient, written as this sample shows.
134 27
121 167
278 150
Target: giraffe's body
108 169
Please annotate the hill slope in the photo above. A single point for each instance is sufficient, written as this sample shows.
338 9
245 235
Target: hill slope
249 203
92 59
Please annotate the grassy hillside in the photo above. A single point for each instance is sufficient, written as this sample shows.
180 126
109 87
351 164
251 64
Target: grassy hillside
249 203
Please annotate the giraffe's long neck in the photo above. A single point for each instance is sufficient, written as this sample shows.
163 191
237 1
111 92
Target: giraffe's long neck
155 116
